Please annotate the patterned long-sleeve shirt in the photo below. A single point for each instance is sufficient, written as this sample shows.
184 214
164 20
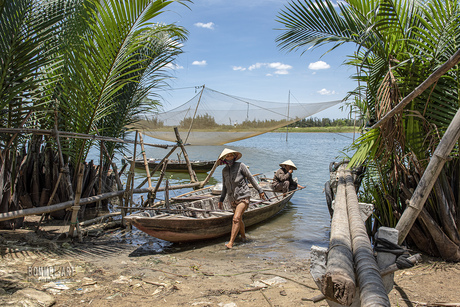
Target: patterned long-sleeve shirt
235 182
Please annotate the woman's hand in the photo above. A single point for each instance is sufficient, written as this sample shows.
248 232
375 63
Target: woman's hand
220 205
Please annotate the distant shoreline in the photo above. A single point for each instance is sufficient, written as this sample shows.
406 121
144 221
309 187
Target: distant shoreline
342 129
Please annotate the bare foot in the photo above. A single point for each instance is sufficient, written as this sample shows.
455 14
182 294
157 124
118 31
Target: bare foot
244 239
229 246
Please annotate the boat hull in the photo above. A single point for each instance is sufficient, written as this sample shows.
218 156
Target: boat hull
175 165
186 229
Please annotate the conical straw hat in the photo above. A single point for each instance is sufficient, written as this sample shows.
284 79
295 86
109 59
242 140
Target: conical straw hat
227 151
290 163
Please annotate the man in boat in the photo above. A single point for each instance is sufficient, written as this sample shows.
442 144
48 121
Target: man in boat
235 177
283 181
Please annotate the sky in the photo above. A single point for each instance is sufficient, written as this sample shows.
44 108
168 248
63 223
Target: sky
231 48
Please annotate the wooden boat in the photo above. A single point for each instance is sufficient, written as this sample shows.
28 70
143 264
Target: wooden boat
175 165
195 215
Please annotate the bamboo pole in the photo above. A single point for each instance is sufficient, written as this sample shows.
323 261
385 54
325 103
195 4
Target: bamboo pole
434 77
216 164
157 186
146 164
77 136
99 218
99 181
338 283
429 178
167 194
76 206
372 289
89 200
158 165
194 114
131 170
193 177
114 167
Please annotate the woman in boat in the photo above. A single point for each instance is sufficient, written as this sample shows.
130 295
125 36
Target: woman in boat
283 181
235 177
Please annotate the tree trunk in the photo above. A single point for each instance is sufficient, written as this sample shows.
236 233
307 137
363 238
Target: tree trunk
372 289
338 283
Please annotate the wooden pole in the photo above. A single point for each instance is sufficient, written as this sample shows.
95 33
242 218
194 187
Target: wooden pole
131 170
216 164
193 177
194 114
167 194
114 167
76 206
101 163
75 135
338 283
99 219
434 77
157 186
429 177
158 166
89 200
146 164
371 287
287 117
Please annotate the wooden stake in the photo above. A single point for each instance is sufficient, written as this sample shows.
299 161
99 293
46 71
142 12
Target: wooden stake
76 206
434 77
114 167
158 166
89 200
167 194
193 177
203 183
429 177
146 164
157 186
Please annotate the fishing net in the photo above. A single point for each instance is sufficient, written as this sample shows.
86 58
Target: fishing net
215 118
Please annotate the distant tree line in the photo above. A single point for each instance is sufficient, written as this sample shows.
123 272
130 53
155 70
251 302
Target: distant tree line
326 122
206 121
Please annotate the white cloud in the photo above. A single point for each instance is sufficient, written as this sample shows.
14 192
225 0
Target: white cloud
256 66
239 68
319 65
209 25
326 92
280 68
174 66
199 63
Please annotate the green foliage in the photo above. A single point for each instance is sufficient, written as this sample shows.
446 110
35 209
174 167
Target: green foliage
205 121
92 62
399 44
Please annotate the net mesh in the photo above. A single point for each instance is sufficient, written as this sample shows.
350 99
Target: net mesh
215 118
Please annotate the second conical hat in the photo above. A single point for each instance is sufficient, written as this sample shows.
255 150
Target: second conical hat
290 163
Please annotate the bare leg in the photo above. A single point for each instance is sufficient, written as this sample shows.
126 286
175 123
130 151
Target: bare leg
242 231
237 221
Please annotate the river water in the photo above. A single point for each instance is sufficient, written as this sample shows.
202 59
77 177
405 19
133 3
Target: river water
305 221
